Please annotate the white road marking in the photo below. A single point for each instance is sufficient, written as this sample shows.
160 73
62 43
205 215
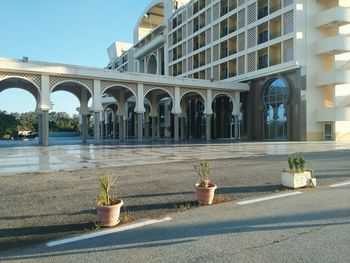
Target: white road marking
340 184
106 232
267 198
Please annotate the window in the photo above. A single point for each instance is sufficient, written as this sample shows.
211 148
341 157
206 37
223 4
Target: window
328 130
263 62
275 115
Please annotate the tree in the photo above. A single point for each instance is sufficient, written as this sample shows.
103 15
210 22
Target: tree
8 124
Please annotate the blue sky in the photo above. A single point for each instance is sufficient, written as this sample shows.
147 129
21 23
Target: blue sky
63 31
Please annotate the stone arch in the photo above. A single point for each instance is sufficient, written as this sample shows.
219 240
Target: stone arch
152 63
6 82
130 87
200 94
217 94
148 90
187 91
71 81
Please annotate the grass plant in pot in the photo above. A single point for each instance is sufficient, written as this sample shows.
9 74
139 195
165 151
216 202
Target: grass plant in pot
297 176
108 208
204 189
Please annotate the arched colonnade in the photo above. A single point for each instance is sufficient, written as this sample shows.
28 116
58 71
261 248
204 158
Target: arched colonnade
130 107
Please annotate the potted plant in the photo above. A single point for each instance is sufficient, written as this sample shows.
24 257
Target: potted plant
298 176
108 209
204 189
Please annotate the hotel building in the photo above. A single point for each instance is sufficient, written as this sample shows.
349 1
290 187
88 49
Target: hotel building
294 54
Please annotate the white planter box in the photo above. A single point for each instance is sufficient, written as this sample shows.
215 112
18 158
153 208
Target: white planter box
297 180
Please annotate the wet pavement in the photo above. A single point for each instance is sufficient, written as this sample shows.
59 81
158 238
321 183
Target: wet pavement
24 157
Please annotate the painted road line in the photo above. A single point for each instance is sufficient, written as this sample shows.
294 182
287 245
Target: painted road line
340 184
267 198
106 232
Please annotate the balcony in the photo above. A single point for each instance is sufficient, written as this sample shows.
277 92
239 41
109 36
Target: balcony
333 17
333 114
333 45
334 77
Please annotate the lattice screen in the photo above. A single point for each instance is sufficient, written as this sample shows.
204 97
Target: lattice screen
208 36
216 72
288 50
287 2
208 56
190 27
241 2
288 22
190 63
184 49
184 16
171 55
241 19
251 37
241 41
184 33
170 40
190 45
216 11
190 10
184 66
251 61
170 23
208 17
208 73
215 52
252 13
241 65
216 32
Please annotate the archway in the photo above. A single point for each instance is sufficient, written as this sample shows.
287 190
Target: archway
152 65
193 118
123 118
160 117
222 124
19 100
276 94
80 123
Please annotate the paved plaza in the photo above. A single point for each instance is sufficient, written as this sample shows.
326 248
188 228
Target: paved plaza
23 159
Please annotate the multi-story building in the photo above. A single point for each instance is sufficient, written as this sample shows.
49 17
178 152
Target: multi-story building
293 53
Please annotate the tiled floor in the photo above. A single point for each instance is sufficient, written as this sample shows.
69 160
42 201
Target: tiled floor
21 159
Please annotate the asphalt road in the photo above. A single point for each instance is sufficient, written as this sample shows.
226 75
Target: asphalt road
312 226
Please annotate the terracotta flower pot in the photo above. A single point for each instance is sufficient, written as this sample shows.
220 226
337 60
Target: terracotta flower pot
109 215
205 195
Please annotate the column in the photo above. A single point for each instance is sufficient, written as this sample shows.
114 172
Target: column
84 128
182 125
107 129
139 126
154 127
40 128
176 127
97 126
236 127
158 127
146 125
121 128
102 124
114 127
45 127
208 126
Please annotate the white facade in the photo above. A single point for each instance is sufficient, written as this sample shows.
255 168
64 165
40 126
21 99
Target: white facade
302 46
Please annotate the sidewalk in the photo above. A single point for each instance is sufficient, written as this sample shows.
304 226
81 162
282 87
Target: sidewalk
44 206
74 157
